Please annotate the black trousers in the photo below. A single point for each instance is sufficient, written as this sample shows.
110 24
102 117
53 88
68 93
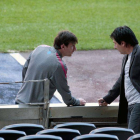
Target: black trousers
134 117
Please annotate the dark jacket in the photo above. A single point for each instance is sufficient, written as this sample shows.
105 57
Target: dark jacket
118 88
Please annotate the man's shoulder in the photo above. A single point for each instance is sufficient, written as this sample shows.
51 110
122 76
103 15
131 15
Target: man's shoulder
45 50
136 51
138 47
46 47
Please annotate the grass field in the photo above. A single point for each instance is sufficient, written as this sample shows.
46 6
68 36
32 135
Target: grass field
25 24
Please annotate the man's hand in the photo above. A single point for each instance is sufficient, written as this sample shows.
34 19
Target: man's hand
82 101
102 102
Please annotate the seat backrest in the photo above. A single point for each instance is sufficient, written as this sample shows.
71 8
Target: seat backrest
28 128
11 134
134 137
84 128
65 134
121 133
96 137
40 137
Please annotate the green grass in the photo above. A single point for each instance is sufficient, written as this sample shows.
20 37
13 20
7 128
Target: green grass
25 24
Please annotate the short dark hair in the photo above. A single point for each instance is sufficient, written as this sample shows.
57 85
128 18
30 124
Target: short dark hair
64 37
124 33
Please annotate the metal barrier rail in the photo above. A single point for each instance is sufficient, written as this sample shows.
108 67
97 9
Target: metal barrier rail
51 114
39 106
59 113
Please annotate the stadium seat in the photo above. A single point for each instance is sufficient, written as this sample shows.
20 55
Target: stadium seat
84 128
28 128
134 137
121 133
96 137
65 134
40 137
11 134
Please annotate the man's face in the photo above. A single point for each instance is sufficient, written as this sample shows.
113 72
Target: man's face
70 49
120 47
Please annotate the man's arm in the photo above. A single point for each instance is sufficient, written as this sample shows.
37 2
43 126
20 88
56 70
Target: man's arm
60 81
115 91
112 94
25 67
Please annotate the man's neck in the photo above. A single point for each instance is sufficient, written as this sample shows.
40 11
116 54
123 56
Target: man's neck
129 49
60 52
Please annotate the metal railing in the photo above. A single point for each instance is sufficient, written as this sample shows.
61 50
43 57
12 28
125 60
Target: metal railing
45 104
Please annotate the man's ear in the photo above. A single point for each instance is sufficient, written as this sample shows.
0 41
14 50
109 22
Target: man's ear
62 46
123 43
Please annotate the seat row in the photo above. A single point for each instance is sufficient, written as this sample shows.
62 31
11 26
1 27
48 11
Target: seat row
66 131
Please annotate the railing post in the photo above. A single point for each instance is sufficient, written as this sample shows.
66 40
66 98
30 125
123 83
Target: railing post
46 102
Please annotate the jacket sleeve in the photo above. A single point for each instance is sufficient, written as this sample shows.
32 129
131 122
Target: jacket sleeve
114 92
116 89
25 67
60 82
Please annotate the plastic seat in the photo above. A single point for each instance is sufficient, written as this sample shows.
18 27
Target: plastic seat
134 137
84 128
96 137
1 138
65 134
11 134
121 133
28 128
40 137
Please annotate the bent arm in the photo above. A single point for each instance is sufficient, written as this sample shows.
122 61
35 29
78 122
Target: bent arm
114 92
25 67
61 85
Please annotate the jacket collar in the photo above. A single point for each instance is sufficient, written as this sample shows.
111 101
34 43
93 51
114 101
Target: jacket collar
135 49
133 54
132 58
59 53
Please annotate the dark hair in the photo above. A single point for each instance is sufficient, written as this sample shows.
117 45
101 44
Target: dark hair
124 33
64 37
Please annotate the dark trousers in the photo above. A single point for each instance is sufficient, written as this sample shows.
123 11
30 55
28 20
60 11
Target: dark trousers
134 117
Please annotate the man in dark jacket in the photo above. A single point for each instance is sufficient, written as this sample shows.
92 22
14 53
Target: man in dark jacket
128 84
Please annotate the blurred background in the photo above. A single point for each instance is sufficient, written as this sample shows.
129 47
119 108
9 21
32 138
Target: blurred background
25 24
